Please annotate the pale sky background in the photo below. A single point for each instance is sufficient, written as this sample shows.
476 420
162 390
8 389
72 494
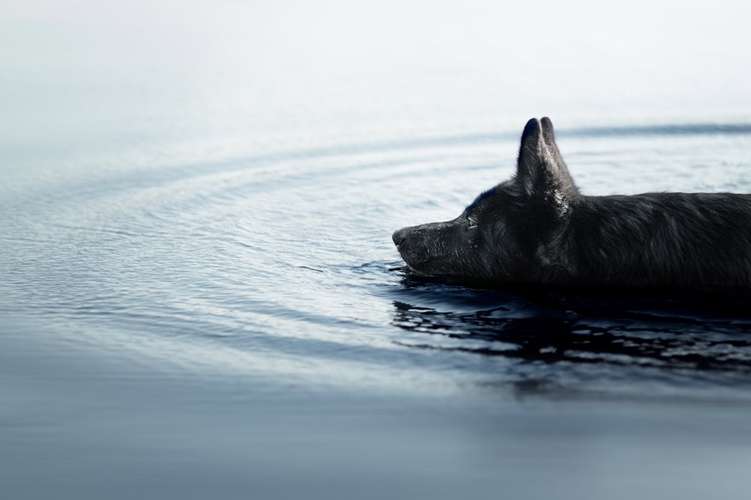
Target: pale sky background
82 74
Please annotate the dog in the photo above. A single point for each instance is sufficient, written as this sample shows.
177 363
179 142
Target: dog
538 229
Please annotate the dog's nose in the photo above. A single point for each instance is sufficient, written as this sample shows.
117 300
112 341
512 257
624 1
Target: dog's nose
399 236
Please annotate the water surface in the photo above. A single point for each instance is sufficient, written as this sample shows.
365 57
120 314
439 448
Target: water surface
255 307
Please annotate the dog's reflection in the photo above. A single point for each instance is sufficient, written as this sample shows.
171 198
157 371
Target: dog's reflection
651 334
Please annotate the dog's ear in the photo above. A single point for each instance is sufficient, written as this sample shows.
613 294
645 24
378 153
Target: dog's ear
541 171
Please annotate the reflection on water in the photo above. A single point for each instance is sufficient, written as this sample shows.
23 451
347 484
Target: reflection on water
561 338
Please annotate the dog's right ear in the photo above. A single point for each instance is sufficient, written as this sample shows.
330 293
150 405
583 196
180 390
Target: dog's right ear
541 172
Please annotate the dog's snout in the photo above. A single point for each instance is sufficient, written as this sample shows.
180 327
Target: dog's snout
399 236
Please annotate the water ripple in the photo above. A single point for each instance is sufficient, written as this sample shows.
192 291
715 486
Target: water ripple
284 261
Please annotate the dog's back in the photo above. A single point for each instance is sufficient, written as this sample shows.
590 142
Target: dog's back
700 240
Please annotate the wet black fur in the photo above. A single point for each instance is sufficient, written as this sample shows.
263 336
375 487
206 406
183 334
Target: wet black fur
538 229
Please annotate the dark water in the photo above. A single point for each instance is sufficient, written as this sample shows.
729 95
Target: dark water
563 342
245 326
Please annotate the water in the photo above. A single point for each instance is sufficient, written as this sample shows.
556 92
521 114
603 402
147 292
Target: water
199 296
271 280
282 265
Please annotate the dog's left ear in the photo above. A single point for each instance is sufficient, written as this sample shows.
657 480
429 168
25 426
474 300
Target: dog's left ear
541 171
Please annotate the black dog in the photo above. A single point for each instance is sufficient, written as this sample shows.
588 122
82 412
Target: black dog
538 229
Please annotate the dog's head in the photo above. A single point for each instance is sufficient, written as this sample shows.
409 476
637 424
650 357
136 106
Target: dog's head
499 234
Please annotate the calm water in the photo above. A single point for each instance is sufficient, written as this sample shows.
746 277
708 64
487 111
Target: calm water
158 316
282 265
199 297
